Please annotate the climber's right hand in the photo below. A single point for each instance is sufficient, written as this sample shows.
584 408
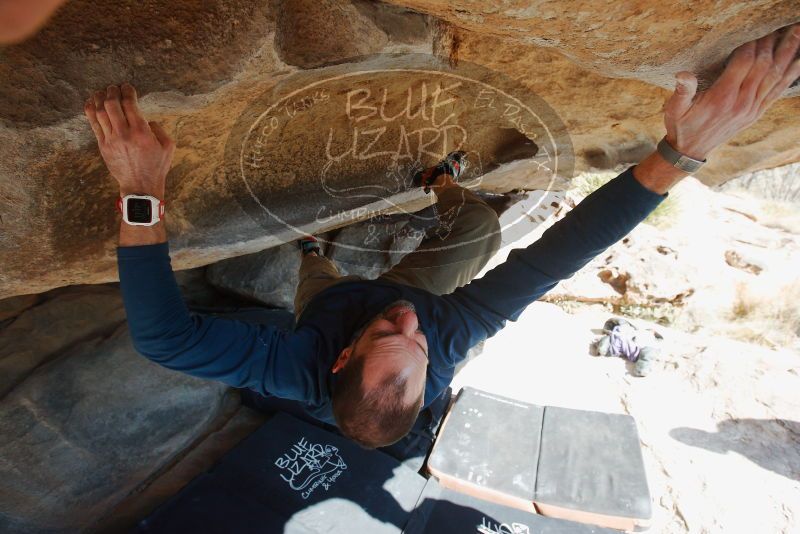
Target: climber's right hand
138 153
756 75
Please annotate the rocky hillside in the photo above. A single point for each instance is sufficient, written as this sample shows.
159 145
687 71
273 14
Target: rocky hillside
308 77
722 263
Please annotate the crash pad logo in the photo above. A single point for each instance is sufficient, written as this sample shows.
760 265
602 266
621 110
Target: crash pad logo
346 143
489 526
308 466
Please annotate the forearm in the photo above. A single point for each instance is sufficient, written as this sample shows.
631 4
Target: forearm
157 315
656 174
131 236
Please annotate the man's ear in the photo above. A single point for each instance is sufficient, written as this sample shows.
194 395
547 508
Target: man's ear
341 361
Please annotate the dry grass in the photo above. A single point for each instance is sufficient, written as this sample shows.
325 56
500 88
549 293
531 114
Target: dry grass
780 214
772 320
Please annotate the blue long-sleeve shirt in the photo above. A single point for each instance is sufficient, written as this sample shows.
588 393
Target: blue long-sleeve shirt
296 364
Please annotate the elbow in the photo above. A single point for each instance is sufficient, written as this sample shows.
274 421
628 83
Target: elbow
158 347
160 337
155 349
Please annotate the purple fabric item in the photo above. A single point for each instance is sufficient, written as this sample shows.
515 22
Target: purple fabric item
623 343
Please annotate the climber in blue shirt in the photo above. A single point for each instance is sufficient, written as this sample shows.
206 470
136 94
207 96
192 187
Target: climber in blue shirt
369 354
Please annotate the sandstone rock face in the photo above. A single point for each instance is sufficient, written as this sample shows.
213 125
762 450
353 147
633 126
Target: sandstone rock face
84 431
13 306
640 39
614 121
212 73
366 249
373 247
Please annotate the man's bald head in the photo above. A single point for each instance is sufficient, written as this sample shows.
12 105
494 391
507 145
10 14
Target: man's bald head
381 378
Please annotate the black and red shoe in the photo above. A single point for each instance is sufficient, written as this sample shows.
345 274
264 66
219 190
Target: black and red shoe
454 164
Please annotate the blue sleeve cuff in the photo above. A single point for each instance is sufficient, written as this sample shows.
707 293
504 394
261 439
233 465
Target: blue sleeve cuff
629 181
143 251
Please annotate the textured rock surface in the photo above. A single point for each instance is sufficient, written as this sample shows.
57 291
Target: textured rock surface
638 39
196 461
42 332
619 121
373 247
200 68
84 431
268 277
367 249
11 307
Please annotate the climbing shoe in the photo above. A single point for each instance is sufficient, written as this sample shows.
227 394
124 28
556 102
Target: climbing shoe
309 244
454 164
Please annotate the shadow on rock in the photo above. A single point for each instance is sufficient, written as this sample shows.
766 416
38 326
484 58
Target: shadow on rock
774 444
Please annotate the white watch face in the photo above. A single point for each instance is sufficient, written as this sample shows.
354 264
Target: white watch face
139 210
142 210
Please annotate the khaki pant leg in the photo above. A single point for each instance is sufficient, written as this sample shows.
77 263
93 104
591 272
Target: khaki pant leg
316 273
468 237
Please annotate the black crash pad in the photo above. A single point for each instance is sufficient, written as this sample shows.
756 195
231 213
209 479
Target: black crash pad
292 477
442 511
592 462
494 447
490 441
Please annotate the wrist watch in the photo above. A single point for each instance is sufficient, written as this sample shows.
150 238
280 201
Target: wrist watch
140 210
678 160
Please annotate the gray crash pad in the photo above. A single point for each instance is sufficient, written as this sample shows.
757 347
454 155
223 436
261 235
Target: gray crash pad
482 428
570 464
591 462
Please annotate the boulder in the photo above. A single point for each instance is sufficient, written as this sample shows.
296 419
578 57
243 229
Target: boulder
276 108
268 277
371 248
615 121
366 249
66 317
640 39
11 307
85 431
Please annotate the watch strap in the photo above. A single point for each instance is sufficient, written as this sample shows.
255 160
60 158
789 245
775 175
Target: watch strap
677 159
